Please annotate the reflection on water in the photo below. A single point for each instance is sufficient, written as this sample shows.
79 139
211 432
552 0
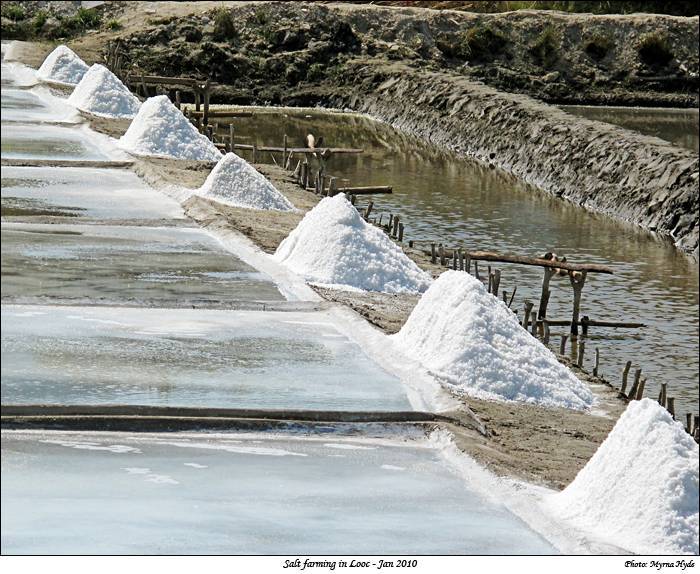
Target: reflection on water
678 126
455 201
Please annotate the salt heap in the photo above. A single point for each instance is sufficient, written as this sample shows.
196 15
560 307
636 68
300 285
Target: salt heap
235 182
160 129
471 340
334 246
101 93
62 66
640 489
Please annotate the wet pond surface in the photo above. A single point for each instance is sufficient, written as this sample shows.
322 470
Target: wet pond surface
25 141
447 199
112 264
183 493
185 357
105 194
677 126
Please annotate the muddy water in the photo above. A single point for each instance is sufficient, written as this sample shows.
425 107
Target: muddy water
677 126
455 201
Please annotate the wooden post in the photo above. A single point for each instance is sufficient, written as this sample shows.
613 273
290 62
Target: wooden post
490 285
696 424
441 252
640 390
689 423
433 258
625 374
207 92
496 280
210 132
597 362
512 296
255 152
461 259
476 270
544 296
284 152
368 210
143 86
400 232
178 101
635 386
584 325
671 406
577 279
200 126
662 394
581 351
395 229
526 317
197 98
533 319
333 190
467 263
545 326
562 344
231 136
454 260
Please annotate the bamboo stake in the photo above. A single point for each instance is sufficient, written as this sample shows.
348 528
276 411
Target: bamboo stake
597 362
625 374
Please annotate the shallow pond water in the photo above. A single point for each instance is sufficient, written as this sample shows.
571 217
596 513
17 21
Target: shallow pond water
186 357
183 493
27 141
144 266
456 201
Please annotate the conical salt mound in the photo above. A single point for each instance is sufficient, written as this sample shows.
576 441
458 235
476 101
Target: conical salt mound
473 342
235 182
334 246
101 93
62 66
640 488
160 129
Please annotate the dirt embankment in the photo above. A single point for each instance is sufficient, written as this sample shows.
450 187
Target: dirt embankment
462 81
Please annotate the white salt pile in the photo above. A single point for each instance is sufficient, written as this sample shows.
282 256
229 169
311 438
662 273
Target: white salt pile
235 182
640 489
62 66
101 93
160 129
334 246
472 341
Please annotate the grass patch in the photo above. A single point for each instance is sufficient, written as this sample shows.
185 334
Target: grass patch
654 51
224 27
544 50
114 25
14 12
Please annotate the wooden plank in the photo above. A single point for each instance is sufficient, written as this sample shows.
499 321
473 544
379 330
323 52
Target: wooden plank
224 114
303 150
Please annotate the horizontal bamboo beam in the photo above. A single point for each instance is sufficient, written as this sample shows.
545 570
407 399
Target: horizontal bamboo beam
365 190
166 80
320 150
222 114
534 261
593 323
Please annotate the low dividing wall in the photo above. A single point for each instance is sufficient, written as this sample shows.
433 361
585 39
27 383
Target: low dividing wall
604 168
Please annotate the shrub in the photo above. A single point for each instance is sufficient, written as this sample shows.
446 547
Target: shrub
39 20
224 27
14 12
597 47
88 18
544 49
654 51
114 25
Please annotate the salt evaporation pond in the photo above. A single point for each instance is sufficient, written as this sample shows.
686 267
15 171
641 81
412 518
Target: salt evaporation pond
238 494
35 106
70 192
447 199
103 264
26 141
186 357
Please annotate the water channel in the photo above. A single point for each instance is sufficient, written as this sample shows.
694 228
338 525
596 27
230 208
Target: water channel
456 201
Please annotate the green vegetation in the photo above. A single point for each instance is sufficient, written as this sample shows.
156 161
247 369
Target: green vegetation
14 12
598 46
114 25
224 28
544 48
654 51
39 20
